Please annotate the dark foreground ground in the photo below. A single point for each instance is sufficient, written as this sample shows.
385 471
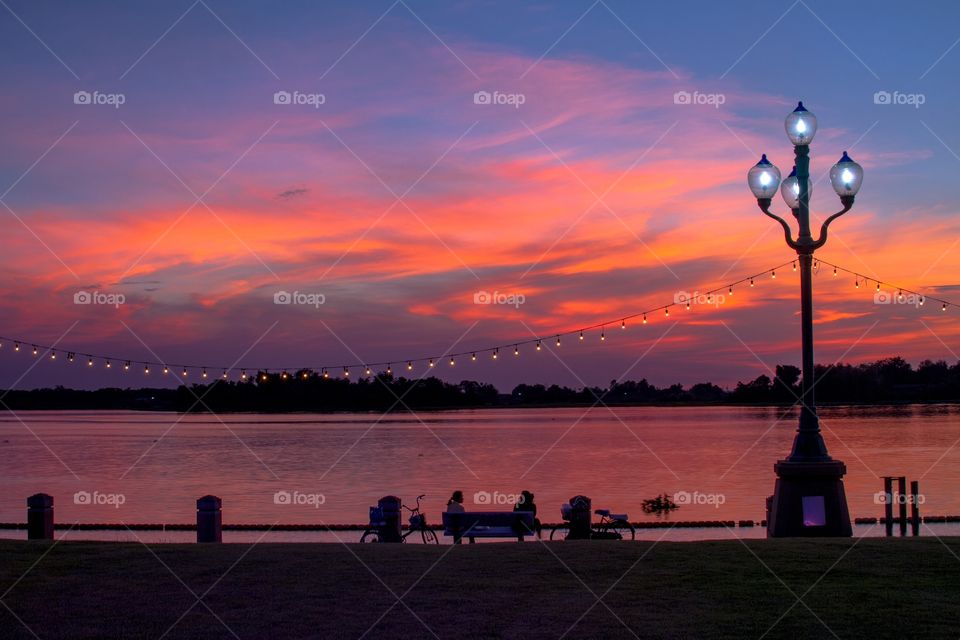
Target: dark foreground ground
794 589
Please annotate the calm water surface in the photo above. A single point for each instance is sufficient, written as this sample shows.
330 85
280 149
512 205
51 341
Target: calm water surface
160 462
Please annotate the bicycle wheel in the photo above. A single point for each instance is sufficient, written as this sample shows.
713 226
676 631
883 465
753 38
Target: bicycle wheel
370 535
624 528
429 536
558 533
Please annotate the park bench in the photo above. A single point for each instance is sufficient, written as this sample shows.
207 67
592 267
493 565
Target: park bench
488 524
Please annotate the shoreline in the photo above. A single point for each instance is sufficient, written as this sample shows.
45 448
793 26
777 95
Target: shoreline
643 524
451 409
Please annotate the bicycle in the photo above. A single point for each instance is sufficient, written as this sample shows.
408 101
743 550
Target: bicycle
418 524
612 526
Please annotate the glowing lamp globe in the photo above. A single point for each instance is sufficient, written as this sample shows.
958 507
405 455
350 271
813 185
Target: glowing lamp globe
763 179
846 176
790 190
801 125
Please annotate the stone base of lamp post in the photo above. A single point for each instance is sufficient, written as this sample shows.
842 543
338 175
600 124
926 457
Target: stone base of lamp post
809 500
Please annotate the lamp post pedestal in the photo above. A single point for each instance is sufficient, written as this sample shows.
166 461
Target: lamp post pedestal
809 500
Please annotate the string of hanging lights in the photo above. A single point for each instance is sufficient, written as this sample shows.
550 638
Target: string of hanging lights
367 368
882 296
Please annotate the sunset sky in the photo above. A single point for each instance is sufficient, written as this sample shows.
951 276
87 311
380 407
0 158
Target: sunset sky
399 197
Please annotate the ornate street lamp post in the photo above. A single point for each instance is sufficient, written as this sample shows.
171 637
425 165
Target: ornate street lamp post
808 498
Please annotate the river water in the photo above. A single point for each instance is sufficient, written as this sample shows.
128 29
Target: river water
717 462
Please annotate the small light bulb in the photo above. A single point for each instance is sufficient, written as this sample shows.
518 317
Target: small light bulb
346 373
166 371
409 366
688 303
204 373
730 291
794 266
644 318
944 307
496 352
305 375
452 363
878 285
224 376
516 350
243 375
325 374
368 371
126 366
834 271
186 373
603 335
751 282
431 362
581 335
666 312
921 301
89 362
16 346
389 370
69 357
900 295
265 377
623 324
558 341
856 282
538 345
146 369
773 274
473 357
53 355
34 351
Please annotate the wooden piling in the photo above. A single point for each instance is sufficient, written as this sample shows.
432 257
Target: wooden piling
915 507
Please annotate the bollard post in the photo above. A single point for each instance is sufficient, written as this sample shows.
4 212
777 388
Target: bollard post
915 507
209 519
40 517
888 504
902 499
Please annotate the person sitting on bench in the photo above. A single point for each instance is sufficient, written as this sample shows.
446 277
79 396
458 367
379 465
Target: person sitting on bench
526 503
455 503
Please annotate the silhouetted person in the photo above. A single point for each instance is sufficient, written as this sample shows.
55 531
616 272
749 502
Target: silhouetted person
455 503
526 504
455 506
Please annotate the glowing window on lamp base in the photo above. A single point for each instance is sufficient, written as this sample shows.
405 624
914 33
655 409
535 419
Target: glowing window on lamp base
814 511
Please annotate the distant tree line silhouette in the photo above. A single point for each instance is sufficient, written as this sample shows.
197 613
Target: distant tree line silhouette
881 381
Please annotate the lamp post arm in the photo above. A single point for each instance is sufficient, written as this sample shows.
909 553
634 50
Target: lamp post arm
847 202
764 204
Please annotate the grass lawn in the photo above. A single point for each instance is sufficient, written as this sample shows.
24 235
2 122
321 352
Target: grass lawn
874 588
